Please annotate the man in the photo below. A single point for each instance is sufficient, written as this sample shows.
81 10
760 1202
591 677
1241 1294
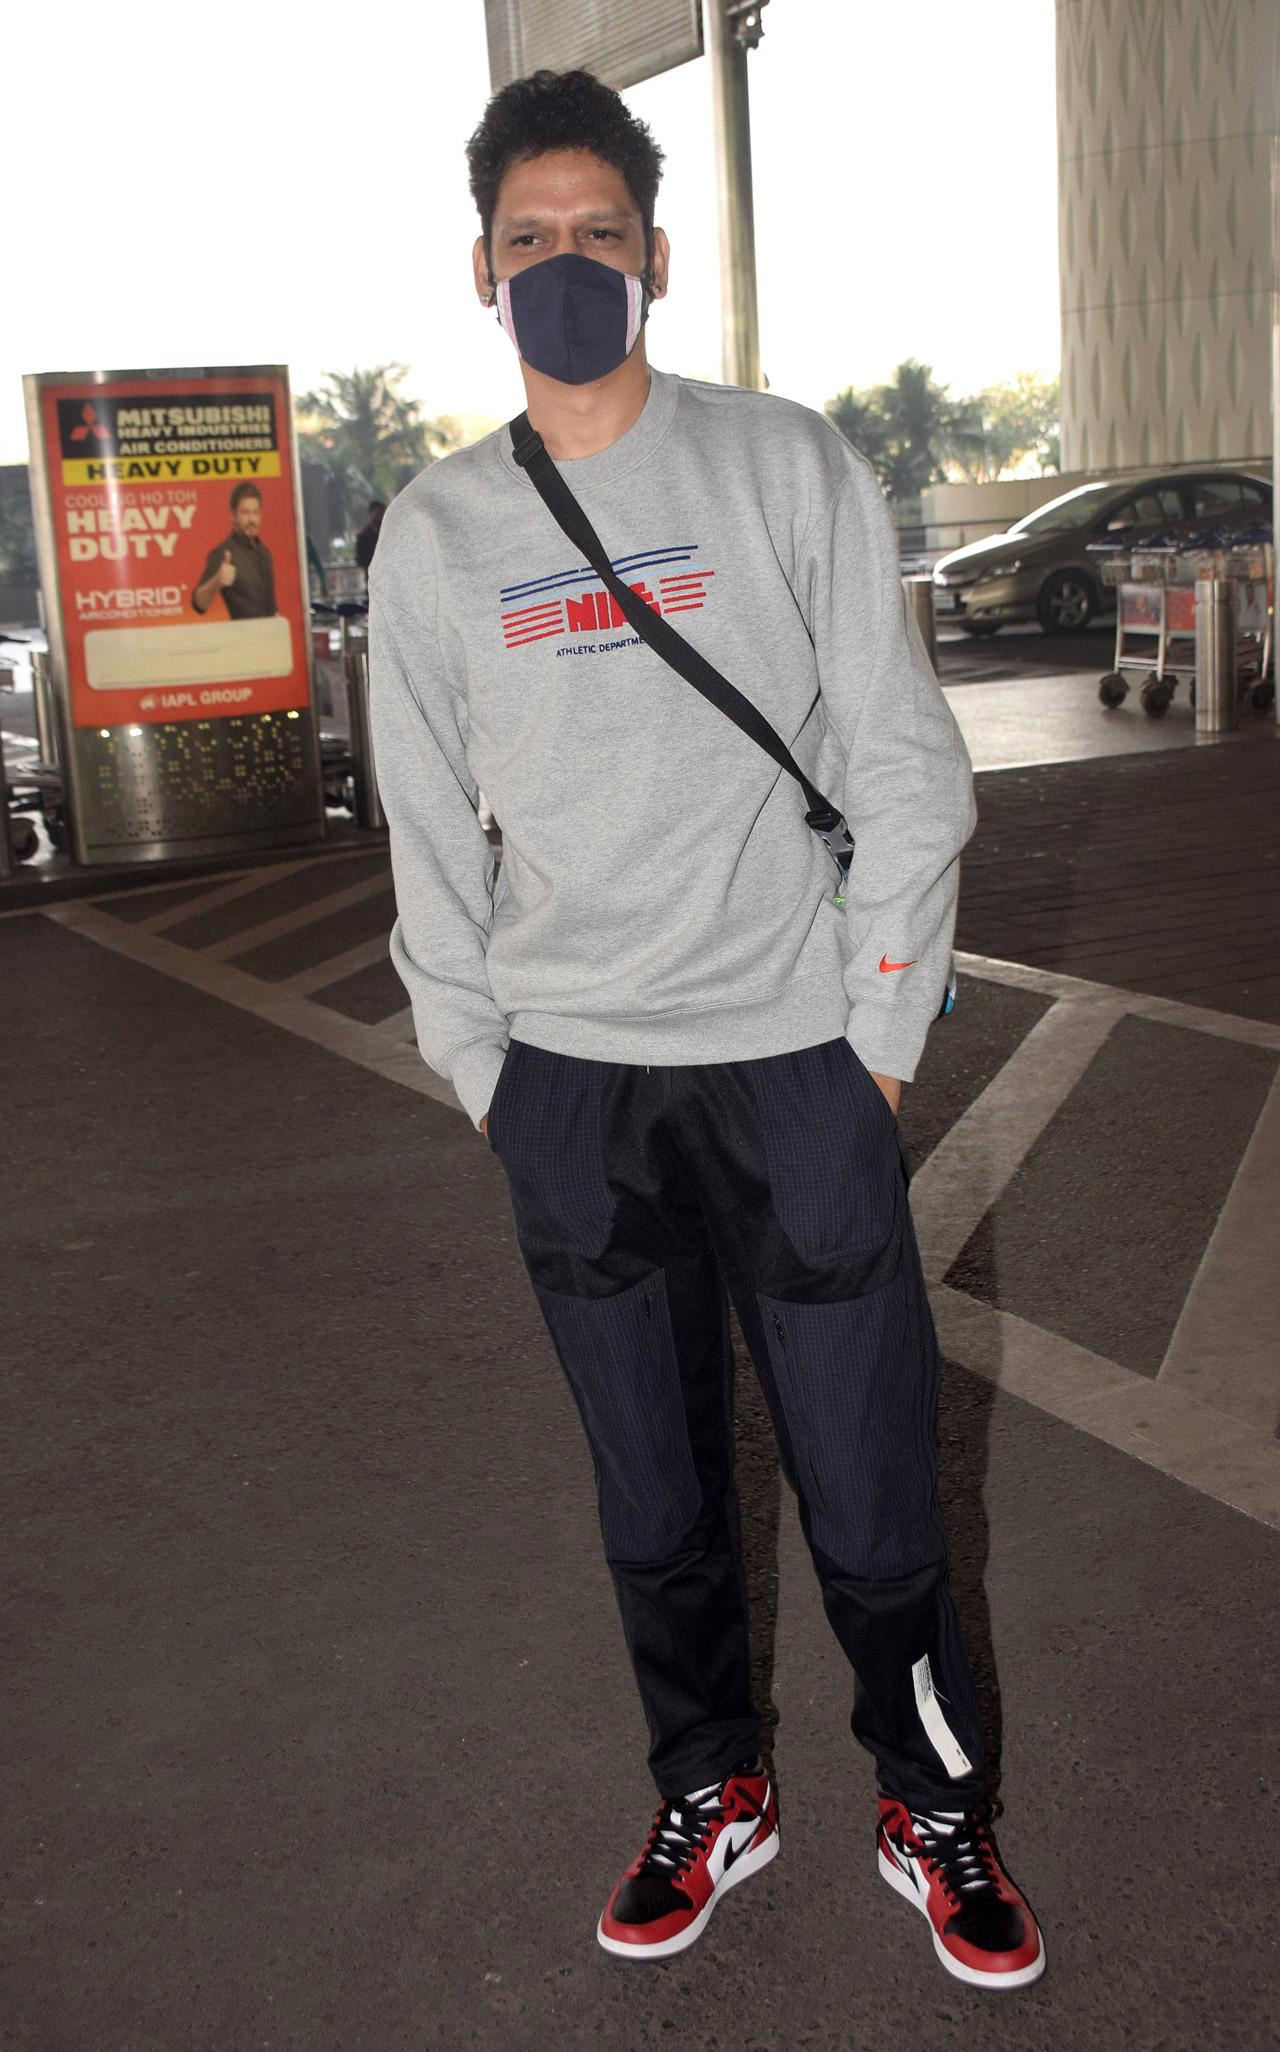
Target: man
684 1046
239 569
317 576
367 539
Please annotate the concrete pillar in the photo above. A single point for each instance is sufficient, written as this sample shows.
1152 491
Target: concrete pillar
1166 113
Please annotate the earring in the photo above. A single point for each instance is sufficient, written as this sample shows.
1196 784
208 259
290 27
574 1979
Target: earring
487 299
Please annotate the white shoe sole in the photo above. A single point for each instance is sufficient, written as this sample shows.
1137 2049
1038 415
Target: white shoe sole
1022 1977
749 1863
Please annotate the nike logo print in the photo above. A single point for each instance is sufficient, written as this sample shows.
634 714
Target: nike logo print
735 1852
904 1862
886 965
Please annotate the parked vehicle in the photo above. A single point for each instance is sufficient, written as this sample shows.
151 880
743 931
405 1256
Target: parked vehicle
30 790
1039 570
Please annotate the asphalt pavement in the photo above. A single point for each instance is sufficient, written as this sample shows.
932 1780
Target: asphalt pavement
320 1732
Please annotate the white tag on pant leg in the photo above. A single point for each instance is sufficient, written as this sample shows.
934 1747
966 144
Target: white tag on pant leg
941 1737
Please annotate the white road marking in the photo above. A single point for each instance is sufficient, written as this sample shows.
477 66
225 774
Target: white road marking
1225 1347
1163 1427
303 915
223 894
255 878
1224 1456
957 1184
1165 1011
400 1025
367 1046
352 960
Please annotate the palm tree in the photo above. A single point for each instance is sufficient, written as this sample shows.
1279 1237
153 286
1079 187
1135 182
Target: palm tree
913 433
861 421
905 429
922 420
370 433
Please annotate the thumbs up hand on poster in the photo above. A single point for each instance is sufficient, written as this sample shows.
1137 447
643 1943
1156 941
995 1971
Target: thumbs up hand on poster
226 570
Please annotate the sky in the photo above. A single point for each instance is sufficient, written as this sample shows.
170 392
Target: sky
288 185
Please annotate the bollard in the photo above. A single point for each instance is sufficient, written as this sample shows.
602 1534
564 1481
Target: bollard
355 660
1216 682
42 696
7 862
918 592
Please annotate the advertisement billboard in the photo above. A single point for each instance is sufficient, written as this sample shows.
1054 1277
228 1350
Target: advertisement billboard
171 547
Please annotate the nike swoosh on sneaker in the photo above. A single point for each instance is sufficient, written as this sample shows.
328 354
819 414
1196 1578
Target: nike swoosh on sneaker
886 965
735 1852
904 1861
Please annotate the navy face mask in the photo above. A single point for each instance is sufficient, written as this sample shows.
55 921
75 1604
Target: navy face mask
572 318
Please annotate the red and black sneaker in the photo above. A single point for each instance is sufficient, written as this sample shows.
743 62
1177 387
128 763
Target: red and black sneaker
948 1866
699 1846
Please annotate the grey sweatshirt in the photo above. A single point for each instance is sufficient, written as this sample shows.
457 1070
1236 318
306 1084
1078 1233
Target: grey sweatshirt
660 898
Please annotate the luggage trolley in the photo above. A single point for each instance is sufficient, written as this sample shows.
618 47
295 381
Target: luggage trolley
1156 617
1252 567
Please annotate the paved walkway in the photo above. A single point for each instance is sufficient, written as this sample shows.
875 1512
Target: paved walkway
1160 875
322 1735
1011 722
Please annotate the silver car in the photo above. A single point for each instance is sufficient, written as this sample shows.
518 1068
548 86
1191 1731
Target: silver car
1039 569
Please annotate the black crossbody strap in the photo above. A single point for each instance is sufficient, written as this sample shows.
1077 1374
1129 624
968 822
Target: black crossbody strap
825 818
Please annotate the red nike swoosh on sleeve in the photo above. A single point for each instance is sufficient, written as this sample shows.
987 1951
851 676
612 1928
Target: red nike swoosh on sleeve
886 965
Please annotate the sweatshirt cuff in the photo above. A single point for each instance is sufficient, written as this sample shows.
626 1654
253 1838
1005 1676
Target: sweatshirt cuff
890 1043
474 1075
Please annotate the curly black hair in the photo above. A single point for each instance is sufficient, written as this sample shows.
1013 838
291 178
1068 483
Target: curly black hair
561 110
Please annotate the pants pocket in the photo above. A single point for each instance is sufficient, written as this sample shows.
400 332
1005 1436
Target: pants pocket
832 1147
505 1074
857 1381
620 1359
547 1135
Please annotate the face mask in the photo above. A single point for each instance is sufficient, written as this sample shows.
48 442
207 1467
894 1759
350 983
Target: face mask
572 318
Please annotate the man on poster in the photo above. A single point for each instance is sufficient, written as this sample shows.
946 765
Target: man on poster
240 568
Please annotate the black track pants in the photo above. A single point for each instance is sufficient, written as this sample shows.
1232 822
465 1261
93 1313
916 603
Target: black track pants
635 1191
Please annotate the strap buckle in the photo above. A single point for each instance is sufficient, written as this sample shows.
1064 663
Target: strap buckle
527 447
831 829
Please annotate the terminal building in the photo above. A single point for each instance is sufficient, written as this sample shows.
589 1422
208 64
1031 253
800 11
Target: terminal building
1167 238
1166 132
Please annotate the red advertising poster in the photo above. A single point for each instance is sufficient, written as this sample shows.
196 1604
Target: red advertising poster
176 537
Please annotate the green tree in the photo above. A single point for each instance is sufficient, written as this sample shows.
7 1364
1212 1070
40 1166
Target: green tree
368 432
913 433
17 527
861 421
1005 425
1025 418
905 429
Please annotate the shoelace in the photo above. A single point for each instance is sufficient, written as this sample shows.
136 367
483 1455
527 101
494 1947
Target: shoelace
681 1829
958 1846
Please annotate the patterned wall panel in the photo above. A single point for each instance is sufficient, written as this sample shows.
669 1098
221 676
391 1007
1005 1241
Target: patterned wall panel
1166 109
1113 364
1112 230
1217 378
